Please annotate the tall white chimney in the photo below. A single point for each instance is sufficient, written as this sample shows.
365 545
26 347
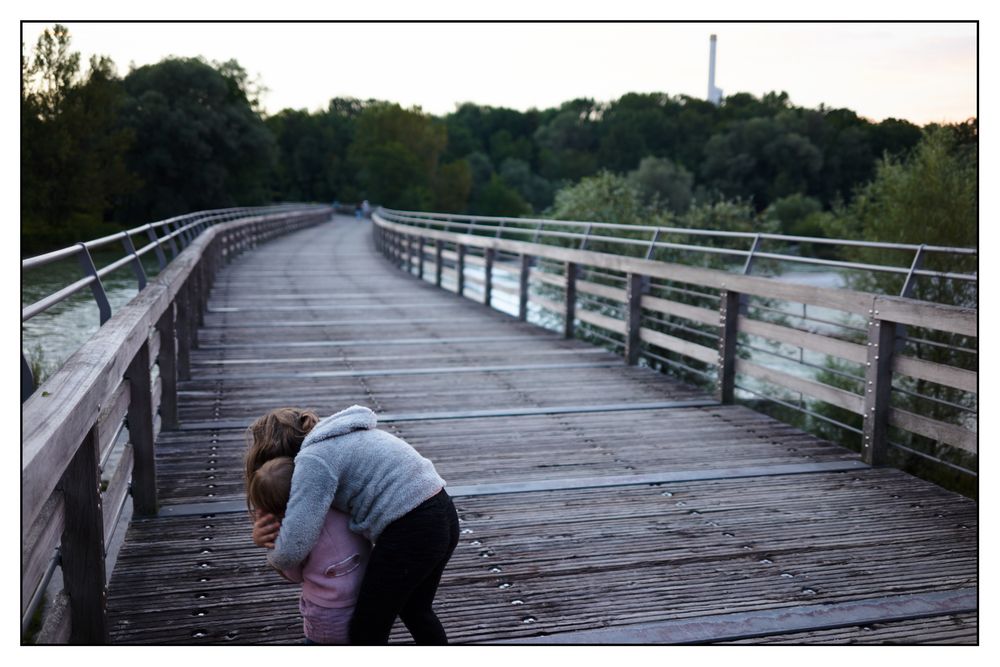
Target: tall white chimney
714 94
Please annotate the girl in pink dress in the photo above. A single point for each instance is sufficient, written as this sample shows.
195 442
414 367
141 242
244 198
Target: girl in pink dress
331 575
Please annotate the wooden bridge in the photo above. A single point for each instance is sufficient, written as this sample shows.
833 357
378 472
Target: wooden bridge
600 501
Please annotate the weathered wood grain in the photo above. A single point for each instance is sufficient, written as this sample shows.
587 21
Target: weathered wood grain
527 563
839 397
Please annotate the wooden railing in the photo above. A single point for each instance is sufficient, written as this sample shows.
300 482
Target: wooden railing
120 383
411 246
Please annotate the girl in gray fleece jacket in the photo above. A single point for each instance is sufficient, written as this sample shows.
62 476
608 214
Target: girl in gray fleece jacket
394 497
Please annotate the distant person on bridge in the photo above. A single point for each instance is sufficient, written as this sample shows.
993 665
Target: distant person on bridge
366 209
331 574
394 497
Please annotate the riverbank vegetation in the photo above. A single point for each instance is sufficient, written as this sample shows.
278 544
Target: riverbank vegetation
101 151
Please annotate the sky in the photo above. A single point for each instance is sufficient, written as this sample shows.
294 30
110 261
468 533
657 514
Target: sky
921 72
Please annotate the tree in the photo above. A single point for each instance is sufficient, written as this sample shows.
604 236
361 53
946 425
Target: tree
498 198
663 183
927 197
396 152
72 145
311 155
604 197
761 159
452 186
567 142
199 144
47 78
533 188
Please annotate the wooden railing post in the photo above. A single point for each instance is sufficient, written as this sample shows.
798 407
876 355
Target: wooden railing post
194 315
522 308
633 317
409 253
167 362
460 290
83 545
183 331
569 316
729 313
488 271
202 290
420 258
140 433
438 261
878 386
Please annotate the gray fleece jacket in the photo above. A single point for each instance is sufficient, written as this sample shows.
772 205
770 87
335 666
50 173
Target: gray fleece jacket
370 475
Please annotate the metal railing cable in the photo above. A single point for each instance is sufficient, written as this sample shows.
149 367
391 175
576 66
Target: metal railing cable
173 235
657 305
538 229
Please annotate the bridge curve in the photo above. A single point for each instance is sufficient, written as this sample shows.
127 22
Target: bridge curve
600 502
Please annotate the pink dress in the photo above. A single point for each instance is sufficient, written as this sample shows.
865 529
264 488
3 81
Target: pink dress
331 579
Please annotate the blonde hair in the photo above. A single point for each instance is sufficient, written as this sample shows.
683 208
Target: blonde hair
278 433
270 486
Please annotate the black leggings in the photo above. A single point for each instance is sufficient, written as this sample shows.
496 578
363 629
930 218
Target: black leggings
403 573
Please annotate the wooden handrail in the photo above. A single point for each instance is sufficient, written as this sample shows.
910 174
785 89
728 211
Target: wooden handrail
883 314
70 420
952 319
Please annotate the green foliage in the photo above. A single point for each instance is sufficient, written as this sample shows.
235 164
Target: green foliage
929 196
606 197
72 146
498 198
799 215
49 77
663 183
761 159
311 154
533 188
396 152
567 143
202 145
452 185
184 134
791 213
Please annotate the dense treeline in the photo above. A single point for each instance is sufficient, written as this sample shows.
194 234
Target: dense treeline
101 151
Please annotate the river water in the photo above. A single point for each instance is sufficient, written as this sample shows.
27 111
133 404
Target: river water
51 337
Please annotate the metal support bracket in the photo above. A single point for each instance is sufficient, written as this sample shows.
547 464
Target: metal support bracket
140 272
97 287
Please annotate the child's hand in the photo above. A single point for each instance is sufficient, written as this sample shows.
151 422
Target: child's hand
265 530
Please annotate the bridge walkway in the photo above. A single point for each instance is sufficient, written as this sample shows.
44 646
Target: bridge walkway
599 503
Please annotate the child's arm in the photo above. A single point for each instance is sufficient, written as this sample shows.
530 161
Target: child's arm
292 574
313 488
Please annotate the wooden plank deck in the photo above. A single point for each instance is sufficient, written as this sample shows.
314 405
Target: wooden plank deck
599 503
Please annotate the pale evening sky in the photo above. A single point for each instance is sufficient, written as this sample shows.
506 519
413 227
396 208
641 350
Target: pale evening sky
923 72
